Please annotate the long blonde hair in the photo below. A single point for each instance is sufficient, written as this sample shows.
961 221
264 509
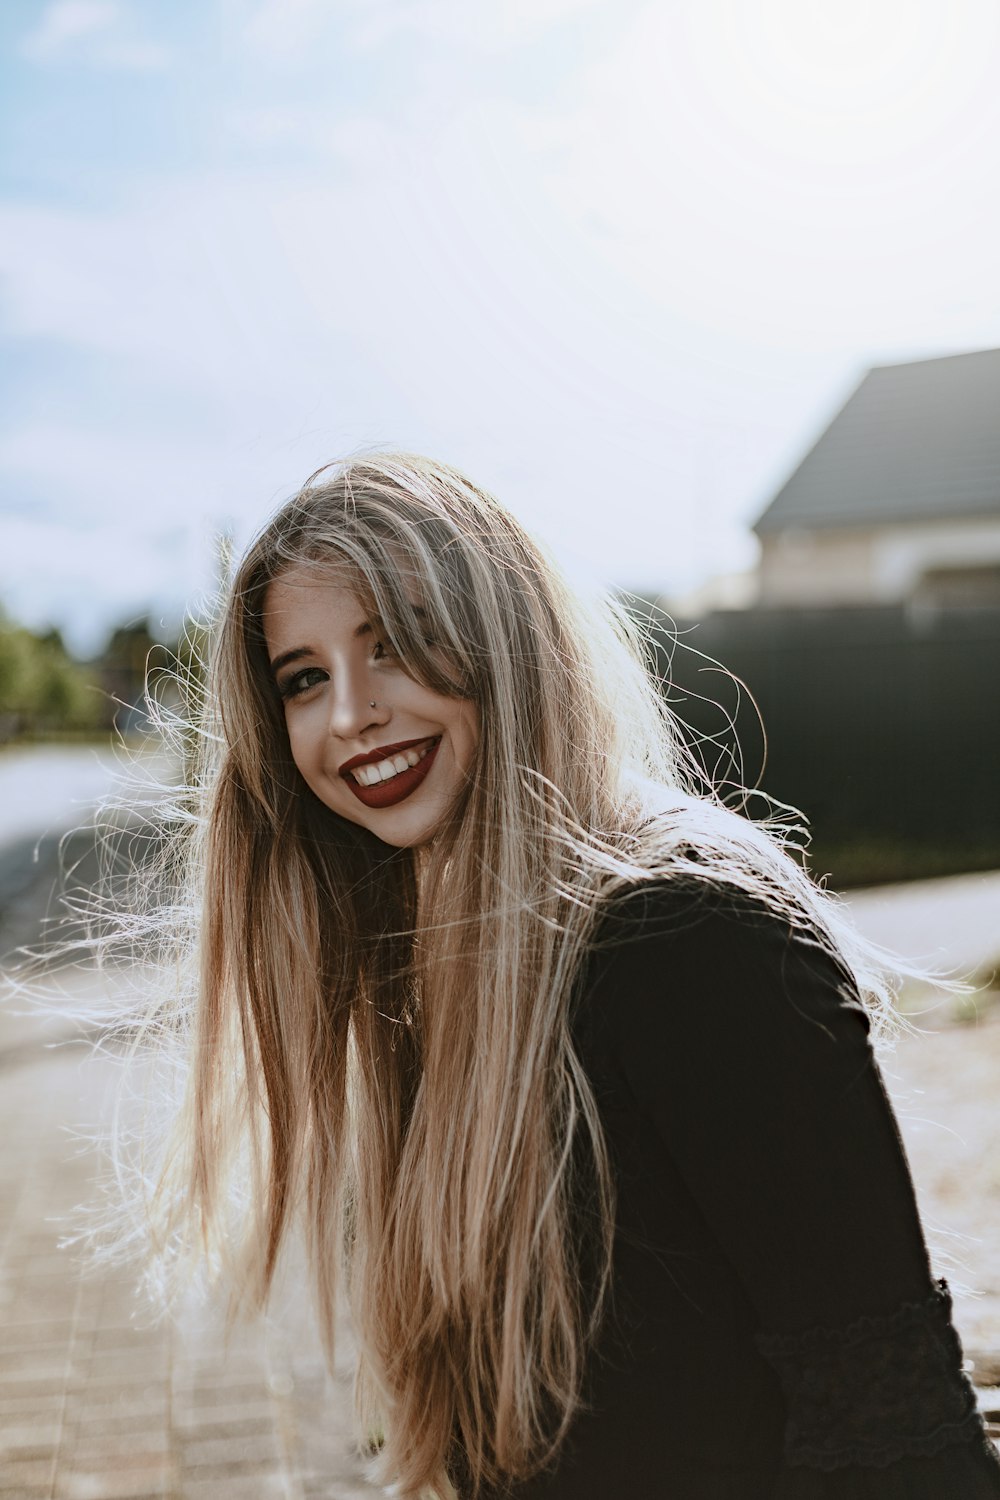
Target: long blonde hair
382 1036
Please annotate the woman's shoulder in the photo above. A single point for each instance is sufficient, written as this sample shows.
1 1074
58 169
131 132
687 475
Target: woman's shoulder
721 967
693 901
703 881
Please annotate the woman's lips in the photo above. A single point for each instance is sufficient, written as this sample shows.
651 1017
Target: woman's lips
397 788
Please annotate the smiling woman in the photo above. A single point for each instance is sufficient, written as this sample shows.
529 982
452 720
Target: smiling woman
564 1065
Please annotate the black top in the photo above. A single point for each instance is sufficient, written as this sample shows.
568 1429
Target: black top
774 1332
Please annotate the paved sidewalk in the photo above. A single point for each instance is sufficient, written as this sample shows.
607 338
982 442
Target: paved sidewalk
951 925
97 1404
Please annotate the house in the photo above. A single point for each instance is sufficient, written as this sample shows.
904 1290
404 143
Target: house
899 500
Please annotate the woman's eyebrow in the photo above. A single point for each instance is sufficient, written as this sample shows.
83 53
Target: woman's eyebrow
286 658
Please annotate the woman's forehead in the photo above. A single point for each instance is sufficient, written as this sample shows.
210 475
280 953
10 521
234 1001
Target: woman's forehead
329 572
388 568
302 601
338 584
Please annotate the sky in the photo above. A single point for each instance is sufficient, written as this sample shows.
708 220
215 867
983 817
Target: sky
620 260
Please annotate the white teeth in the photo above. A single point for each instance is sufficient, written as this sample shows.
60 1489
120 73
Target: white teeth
385 770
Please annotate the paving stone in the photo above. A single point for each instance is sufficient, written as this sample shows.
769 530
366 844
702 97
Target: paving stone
41 1407
274 1485
234 1393
87 1426
26 1476
23 1325
26 1339
109 1399
221 1453
15 1384
323 1489
29 1440
50 1366
123 1449
108 1484
122 1369
41 1265
222 1421
125 1339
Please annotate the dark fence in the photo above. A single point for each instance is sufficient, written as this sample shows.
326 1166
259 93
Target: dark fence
882 725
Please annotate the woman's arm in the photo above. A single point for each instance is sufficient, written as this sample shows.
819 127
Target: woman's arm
746 1046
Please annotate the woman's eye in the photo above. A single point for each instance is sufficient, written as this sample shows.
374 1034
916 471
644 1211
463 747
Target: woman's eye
301 682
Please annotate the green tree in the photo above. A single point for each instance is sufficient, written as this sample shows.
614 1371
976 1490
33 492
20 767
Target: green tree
43 690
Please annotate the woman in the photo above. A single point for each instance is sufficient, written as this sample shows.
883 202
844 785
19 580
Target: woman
565 1065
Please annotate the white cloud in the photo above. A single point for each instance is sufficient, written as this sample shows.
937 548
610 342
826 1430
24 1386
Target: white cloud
94 32
132 56
187 280
262 326
786 191
288 29
66 22
285 28
500 26
623 314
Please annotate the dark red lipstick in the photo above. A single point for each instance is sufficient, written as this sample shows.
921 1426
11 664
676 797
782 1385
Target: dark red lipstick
398 787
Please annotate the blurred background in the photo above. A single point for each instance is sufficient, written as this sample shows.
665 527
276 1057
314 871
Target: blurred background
705 290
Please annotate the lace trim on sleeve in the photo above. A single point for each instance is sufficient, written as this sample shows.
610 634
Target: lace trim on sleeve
877 1391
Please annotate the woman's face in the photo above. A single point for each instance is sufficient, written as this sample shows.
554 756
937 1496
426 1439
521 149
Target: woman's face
374 745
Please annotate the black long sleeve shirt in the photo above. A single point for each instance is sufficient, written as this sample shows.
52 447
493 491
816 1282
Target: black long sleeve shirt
773 1332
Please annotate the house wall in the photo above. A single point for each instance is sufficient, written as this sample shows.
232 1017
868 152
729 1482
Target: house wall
874 565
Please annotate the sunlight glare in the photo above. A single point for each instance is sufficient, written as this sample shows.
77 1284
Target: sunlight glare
846 84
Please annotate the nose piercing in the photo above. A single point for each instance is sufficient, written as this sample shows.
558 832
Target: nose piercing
371 702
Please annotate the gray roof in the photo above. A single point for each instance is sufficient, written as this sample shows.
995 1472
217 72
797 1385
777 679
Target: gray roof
915 442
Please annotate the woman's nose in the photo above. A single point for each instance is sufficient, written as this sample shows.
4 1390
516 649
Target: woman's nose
355 707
